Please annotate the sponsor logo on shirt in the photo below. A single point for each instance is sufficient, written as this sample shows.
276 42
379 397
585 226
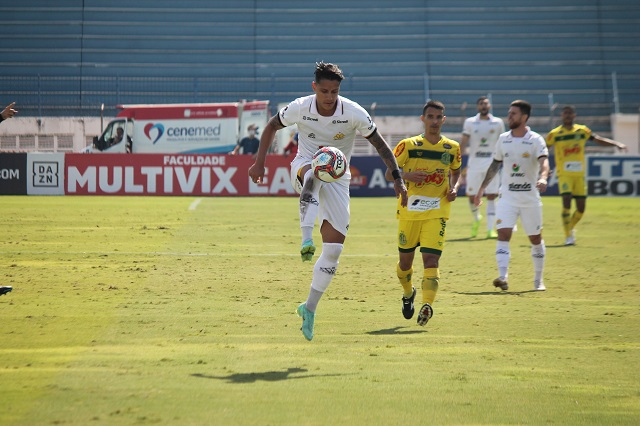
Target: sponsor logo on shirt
434 178
520 187
575 149
340 121
311 135
338 136
423 204
526 155
481 154
515 169
304 117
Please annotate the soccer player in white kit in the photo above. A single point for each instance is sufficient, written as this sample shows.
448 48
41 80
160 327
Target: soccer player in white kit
524 176
324 119
480 133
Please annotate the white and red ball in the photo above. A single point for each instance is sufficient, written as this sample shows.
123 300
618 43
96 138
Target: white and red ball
329 164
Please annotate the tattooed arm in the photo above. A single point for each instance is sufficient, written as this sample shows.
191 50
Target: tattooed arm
493 170
384 151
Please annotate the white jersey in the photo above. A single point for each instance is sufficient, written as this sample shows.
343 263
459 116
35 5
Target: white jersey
520 167
316 131
483 135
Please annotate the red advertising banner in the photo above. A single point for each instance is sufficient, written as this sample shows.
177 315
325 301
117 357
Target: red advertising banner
173 174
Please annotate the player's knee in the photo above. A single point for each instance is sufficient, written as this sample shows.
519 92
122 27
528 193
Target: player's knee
430 260
331 251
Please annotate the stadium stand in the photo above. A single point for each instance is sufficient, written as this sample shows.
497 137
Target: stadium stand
67 59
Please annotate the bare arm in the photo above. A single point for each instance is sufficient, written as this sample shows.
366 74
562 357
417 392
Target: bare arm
384 151
8 112
454 184
256 171
608 142
464 143
544 174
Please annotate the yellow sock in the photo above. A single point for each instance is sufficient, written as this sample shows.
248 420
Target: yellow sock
430 282
405 280
566 221
575 218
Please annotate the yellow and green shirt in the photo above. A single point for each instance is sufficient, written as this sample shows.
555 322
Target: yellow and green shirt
568 145
427 199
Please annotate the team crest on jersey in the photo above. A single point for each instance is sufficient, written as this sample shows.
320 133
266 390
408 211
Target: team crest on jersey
402 239
483 141
418 143
446 158
446 146
338 136
526 155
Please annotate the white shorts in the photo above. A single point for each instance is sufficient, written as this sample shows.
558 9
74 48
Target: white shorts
530 217
333 198
475 178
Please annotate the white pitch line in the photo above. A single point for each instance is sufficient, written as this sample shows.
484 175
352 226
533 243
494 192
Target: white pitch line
195 203
168 253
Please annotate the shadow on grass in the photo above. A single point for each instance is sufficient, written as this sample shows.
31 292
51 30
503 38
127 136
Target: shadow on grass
267 376
469 239
395 330
495 293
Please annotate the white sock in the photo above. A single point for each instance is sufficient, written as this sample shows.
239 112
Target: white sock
323 272
537 254
502 258
313 299
491 214
475 211
309 204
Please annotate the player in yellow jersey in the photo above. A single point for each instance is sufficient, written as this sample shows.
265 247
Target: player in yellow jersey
430 166
568 142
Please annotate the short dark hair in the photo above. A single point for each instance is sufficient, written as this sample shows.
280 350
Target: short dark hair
525 107
327 71
433 104
570 108
480 99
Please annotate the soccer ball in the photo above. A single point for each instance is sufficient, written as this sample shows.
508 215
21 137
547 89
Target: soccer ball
329 164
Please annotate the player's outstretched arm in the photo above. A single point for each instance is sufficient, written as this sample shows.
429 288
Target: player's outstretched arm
8 112
608 142
384 151
256 171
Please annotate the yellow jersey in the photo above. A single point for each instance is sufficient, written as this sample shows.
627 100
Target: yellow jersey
568 145
427 199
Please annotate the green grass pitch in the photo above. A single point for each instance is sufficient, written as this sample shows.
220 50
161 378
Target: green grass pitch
134 310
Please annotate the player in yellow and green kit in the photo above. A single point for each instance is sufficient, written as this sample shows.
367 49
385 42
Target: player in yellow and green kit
430 166
568 142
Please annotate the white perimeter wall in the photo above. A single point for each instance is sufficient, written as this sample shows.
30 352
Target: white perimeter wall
66 134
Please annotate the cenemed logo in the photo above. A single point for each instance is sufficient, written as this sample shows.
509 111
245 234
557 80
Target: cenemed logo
159 131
